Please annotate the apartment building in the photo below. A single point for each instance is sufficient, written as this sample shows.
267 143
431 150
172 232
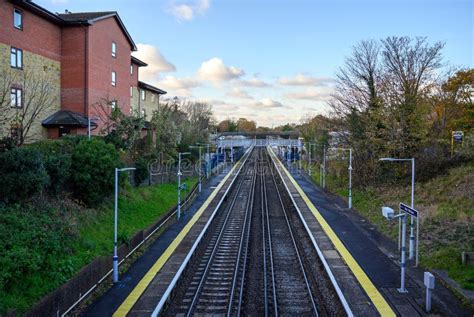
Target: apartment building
85 59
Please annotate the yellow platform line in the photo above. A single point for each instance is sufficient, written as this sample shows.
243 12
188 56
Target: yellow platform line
133 297
372 292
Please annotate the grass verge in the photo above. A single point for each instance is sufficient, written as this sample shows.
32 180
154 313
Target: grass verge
446 204
47 242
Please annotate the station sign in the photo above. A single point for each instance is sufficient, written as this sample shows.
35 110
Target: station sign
407 209
458 136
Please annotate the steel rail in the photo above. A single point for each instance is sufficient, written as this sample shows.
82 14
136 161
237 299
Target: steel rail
168 291
341 296
214 249
270 247
290 230
248 214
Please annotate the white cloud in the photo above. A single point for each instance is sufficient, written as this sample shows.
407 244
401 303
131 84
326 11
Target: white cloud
171 82
304 80
254 82
186 11
239 93
157 63
267 103
215 70
178 86
311 93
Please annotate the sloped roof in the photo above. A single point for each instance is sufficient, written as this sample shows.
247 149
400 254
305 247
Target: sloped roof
69 18
138 61
66 118
91 17
146 86
85 16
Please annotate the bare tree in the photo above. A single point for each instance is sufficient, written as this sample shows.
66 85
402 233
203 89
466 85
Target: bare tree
38 97
357 81
411 71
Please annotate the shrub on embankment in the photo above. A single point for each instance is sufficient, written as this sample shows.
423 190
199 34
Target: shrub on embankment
446 204
48 232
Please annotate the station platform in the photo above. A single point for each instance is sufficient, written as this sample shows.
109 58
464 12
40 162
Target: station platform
377 255
110 302
362 260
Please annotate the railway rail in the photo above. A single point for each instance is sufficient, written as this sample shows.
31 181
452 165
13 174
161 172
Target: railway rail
255 257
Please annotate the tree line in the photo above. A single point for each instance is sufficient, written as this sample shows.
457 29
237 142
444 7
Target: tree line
397 97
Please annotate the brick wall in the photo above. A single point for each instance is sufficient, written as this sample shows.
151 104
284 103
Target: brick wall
73 63
101 65
38 36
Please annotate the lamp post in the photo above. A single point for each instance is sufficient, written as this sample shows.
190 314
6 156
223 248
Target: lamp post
200 166
350 172
89 122
412 226
207 145
180 154
115 258
324 166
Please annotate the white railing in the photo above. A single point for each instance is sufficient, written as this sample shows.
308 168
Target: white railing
227 144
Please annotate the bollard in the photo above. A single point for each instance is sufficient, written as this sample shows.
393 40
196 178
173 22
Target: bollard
429 280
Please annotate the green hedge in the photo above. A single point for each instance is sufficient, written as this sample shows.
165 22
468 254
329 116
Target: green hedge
92 170
22 174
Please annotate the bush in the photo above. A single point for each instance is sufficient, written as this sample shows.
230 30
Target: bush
34 240
141 172
92 170
57 162
7 144
22 174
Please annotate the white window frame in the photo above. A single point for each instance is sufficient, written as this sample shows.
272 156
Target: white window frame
20 14
131 69
114 78
131 91
16 97
18 57
143 94
114 49
113 104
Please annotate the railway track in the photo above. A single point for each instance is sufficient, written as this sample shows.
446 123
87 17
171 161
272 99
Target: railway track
255 258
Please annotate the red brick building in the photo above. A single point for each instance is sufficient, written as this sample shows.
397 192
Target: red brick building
93 53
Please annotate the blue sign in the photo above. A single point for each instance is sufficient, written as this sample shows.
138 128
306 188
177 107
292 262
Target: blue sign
408 210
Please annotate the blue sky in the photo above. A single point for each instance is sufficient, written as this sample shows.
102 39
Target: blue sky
272 60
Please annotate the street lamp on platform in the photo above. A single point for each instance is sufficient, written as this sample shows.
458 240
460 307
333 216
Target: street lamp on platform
115 258
350 172
180 154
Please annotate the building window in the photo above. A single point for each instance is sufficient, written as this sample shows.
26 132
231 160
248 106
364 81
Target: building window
143 113
18 19
15 97
131 91
114 49
16 58
114 79
113 104
152 97
131 69
143 95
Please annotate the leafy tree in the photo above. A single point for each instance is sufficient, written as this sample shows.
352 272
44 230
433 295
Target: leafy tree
22 174
245 125
93 164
